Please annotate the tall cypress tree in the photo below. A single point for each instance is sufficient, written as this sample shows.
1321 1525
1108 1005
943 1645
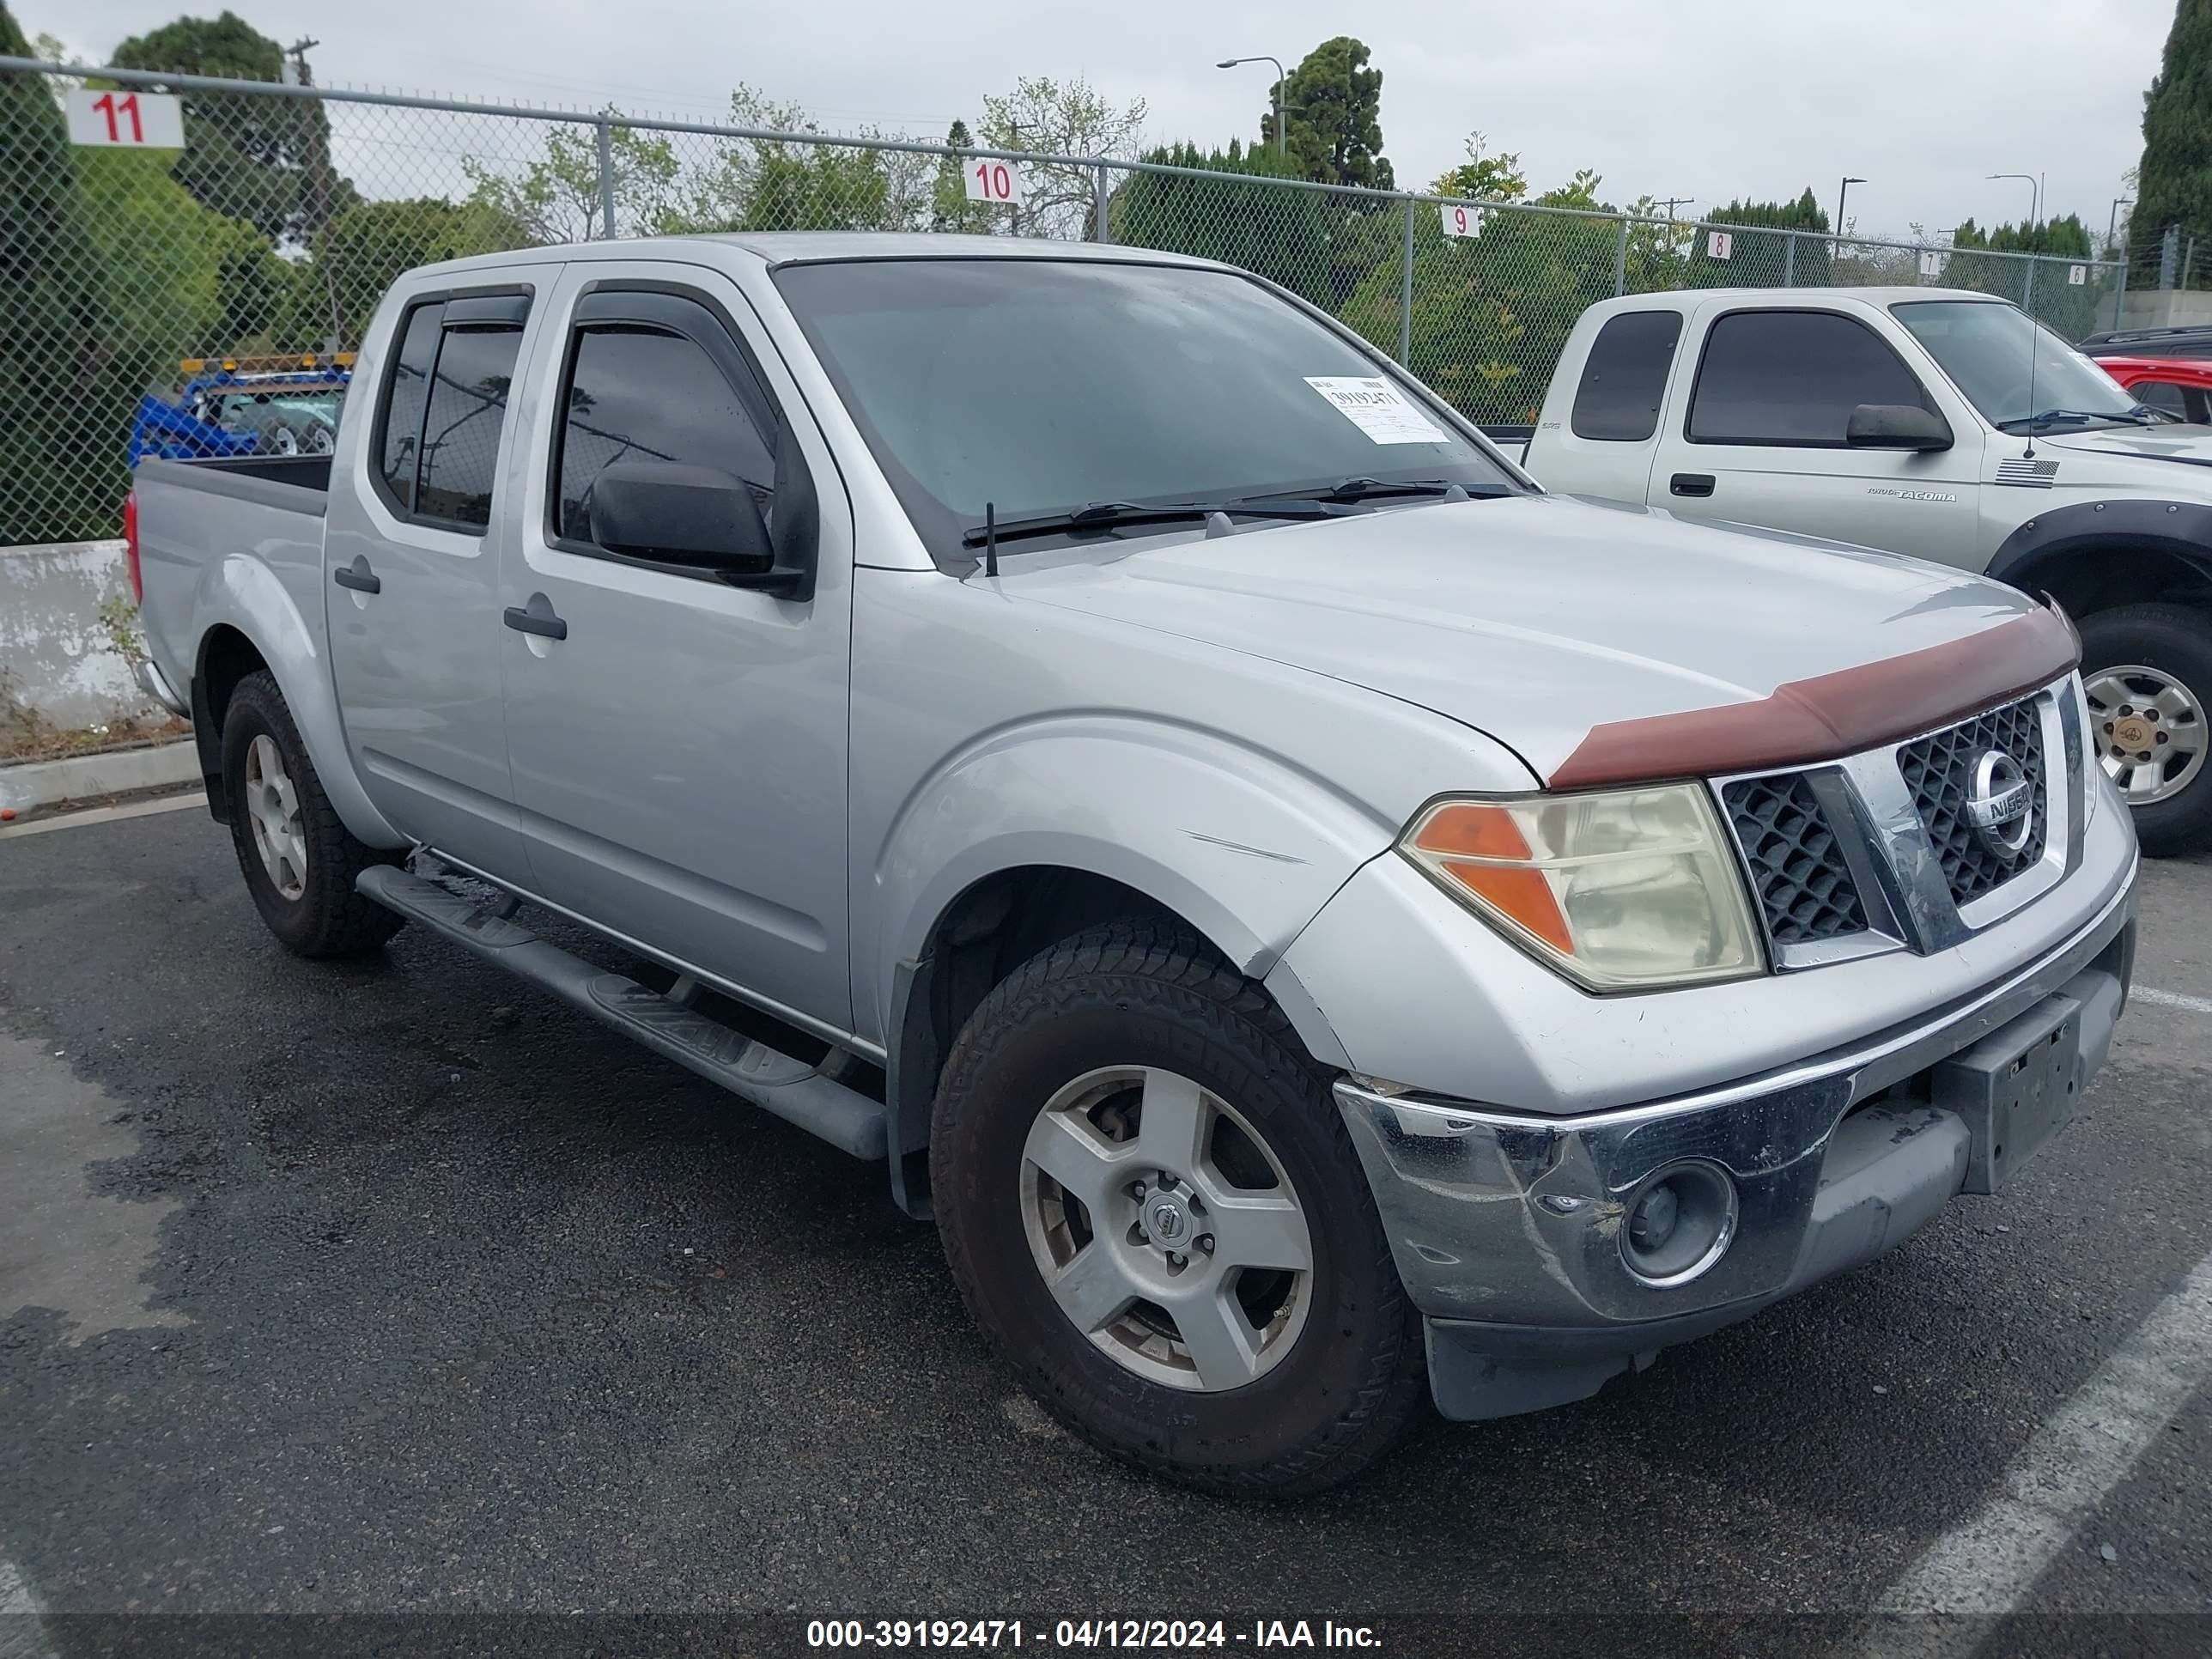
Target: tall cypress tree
62 431
2174 185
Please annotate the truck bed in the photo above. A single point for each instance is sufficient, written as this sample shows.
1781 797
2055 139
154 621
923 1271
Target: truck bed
296 484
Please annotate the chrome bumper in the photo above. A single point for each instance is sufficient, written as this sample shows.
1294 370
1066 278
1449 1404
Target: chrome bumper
1512 1222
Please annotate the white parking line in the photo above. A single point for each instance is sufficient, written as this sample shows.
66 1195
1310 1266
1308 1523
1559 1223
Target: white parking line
136 809
2171 1000
1988 1564
22 1633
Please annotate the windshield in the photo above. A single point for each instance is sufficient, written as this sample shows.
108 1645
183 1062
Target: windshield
1037 387
1983 346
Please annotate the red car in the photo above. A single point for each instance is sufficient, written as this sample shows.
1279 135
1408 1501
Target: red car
2179 385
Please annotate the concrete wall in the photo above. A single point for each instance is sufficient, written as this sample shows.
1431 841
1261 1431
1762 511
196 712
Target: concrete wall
58 659
2155 308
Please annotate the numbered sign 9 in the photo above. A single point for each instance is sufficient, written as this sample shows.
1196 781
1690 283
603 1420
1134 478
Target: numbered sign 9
1719 244
994 181
1459 219
126 119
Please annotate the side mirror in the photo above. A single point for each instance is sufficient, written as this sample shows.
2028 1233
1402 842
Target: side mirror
696 517
1897 426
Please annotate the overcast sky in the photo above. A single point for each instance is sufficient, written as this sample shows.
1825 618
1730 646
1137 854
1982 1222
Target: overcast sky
1707 99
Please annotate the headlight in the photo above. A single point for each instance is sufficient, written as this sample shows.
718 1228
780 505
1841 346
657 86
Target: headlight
1624 891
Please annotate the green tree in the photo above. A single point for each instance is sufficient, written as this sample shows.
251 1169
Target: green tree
2173 182
556 198
950 209
1759 260
2050 294
1282 234
1059 117
1332 117
63 409
371 243
1484 177
265 160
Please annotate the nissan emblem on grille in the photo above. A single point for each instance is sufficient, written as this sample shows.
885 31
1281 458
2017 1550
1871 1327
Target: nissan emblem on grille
2001 802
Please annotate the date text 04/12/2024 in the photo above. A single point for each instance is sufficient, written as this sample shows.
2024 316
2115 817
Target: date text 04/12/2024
1088 1634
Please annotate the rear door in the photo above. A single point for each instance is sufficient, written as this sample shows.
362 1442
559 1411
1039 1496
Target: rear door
679 752
1755 434
1598 436
411 568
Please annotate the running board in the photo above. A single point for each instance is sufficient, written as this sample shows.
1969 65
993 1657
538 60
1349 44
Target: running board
797 1093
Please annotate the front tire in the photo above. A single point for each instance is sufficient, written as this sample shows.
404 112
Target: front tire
298 857
2147 669
1240 1326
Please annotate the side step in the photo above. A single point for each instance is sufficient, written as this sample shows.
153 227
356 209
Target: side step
793 1090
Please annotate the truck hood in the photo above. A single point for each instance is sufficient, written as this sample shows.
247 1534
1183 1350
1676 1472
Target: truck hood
1534 619
2190 445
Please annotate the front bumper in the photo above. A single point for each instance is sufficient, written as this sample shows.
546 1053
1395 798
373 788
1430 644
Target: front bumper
1506 1226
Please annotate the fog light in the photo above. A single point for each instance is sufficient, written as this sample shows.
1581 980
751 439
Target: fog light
1681 1220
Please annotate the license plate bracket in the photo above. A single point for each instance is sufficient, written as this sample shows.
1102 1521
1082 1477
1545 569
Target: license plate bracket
2015 1089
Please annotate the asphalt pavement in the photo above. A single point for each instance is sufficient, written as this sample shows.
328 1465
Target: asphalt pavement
394 1288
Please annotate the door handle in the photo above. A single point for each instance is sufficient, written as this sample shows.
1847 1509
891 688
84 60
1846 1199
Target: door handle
358 576
1690 483
530 622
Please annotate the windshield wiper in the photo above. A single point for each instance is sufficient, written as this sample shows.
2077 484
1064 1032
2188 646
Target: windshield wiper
1346 491
1112 515
2079 418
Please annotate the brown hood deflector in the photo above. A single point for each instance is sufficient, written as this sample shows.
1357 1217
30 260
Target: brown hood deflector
1832 715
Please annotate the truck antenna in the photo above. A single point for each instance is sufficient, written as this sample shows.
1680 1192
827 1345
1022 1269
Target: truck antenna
2029 452
990 538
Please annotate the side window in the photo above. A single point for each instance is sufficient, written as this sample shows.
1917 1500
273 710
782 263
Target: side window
461 428
640 391
400 424
1624 381
1793 378
2160 394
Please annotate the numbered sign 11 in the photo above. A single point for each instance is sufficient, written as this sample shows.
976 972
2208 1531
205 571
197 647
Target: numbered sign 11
126 119
1719 244
994 181
1459 219
2078 276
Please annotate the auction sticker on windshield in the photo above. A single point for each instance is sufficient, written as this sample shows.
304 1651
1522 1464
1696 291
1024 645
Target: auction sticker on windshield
1378 409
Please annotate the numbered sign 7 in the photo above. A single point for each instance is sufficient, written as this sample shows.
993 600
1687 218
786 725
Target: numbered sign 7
994 181
130 120
1459 219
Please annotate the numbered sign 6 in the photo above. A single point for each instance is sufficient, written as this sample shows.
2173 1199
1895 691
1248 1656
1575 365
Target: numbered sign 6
1719 244
994 181
127 119
2078 276
1459 219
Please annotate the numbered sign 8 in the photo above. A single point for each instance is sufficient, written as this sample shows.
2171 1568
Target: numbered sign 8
1719 244
129 120
1459 219
2078 276
994 181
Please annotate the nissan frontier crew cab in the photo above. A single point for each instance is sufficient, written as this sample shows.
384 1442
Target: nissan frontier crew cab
1317 921
1939 422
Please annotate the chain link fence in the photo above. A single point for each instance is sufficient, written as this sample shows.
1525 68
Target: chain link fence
128 277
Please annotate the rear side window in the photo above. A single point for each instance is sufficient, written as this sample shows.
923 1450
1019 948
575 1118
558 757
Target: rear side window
2160 395
445 406
1792 377
1624 381
640 393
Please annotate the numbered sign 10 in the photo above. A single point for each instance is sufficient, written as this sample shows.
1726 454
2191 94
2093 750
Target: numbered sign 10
1459 219
126 119
994 181
1719 244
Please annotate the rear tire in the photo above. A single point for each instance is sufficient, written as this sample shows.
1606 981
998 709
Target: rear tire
2173 644
299 859
1311 1375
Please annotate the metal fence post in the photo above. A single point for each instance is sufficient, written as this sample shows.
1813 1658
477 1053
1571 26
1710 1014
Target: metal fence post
1620 261
1789 258
2027 288
2188 260
1405 292
2169 254
1099 197
607 180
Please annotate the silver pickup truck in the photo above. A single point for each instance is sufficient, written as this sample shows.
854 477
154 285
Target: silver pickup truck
1318 922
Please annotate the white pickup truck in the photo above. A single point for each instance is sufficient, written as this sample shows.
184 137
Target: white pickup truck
1316 919
1936 423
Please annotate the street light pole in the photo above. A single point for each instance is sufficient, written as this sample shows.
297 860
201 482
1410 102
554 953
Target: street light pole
1231 62
2035 195
1842 194
2113 225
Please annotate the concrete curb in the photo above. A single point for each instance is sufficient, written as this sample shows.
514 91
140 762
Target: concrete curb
86 777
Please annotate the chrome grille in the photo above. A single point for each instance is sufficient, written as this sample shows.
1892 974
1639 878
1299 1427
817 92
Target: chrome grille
1805 886
1939 772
